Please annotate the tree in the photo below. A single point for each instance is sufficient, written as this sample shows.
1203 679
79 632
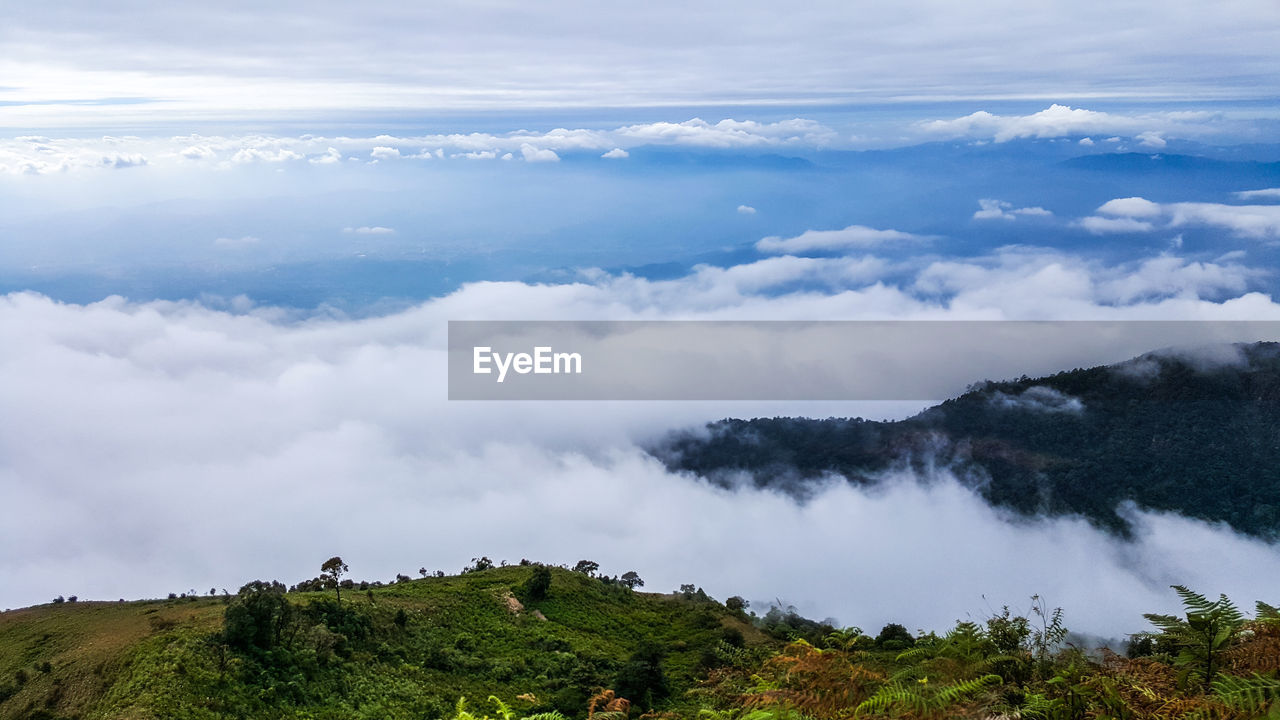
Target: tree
258 616
538 583
332 569
894 637
586 567
737 603
632 580
641 680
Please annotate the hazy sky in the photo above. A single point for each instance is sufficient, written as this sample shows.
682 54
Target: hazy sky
87 64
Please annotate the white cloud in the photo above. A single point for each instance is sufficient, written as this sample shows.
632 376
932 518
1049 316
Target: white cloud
369 230
1063 121
340 430
331 156
746 210
533 154
616 154
852 237
1265 194
1107 225
1001 210
1151 139
1131 207
384 153
251 155
1086 142
1038 398
1251 221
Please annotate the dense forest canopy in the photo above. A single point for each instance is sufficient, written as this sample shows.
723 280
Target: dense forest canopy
1193 434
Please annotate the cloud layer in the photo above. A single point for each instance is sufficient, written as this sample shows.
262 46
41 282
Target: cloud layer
167 446
155 61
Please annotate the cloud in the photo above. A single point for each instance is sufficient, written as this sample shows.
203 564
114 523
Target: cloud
616 154
533 154
1265 194
231 242
252 155
746 210
332 156
1134 207
1063 121
1038 398
852 237
1001 210
198 434
384 153
1086 142
369 230
1151 139
1249 221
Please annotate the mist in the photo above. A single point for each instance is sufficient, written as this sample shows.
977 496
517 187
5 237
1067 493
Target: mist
172 447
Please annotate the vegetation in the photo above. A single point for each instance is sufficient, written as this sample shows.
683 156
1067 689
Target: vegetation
1149 431
571 646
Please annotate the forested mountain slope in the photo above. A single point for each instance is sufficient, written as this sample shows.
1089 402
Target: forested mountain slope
1194 434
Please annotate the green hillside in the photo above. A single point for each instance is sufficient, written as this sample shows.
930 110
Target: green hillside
593 648
406 650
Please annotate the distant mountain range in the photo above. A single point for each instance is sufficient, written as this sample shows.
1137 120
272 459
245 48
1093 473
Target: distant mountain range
1196 434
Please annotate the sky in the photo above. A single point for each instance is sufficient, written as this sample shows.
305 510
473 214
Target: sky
231 238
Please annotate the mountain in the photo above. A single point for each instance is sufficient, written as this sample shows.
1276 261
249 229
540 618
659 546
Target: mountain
1192 433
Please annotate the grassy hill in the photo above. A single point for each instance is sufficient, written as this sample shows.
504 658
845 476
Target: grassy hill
407 650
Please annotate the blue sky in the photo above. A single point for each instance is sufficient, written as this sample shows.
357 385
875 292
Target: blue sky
231 237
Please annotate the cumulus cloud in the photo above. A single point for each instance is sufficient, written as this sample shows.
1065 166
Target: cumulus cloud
199 433
534 154
1134 207
1137 214
1000 210
1064 121
852 237
331 156
45 155
746 210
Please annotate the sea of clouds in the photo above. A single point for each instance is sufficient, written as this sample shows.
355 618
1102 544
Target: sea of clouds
166 447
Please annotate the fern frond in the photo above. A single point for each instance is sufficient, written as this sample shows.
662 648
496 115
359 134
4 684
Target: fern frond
966 689
915 654
1268 612
1193 601
550 715
1252 694
504 711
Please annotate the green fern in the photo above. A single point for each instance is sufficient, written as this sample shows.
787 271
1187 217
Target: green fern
921 699
1255 694
1209 629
